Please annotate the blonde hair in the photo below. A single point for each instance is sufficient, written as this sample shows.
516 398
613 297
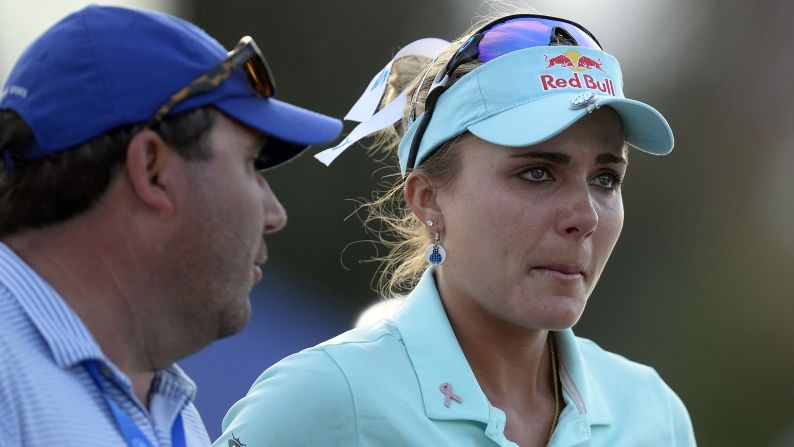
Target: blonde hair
388 216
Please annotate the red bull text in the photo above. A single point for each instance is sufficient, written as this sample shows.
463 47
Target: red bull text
577 63
586 81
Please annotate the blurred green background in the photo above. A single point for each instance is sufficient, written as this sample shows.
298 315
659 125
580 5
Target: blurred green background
701 283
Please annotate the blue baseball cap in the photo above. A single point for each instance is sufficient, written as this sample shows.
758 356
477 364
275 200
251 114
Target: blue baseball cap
105 67
530 95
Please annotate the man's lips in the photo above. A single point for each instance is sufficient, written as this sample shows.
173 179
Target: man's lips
259 262
262 256
257 273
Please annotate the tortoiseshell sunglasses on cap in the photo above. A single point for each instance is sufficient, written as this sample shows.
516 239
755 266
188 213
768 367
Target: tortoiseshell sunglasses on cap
245 54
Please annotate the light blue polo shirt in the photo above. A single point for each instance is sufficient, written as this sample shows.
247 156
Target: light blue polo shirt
381 386
47 397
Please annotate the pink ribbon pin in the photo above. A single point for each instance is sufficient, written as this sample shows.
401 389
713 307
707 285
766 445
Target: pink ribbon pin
448 394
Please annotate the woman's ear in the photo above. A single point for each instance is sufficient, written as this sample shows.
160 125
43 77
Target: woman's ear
421 196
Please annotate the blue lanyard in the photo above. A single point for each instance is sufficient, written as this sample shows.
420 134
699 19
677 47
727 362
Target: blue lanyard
131 433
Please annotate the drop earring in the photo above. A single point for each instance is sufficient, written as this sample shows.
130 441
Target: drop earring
435 253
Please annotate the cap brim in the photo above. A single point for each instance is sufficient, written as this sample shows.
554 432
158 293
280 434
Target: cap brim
531 123
290 129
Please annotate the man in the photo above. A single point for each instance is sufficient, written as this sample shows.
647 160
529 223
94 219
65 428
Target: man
132 215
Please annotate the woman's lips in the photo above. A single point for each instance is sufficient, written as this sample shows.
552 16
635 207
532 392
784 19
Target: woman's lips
565 273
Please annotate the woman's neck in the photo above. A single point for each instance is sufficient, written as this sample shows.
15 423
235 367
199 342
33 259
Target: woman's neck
512 365
508 361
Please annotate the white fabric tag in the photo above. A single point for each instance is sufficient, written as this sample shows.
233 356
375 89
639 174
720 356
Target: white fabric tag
385 117
363 111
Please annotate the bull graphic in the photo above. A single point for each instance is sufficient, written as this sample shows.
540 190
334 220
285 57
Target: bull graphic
561 60
586 62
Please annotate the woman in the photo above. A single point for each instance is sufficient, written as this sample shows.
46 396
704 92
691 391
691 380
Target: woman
512 159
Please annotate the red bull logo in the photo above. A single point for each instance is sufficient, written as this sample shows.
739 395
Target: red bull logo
578 63
585 63
561 60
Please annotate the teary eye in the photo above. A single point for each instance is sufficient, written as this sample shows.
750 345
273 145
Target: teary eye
537 174
607 180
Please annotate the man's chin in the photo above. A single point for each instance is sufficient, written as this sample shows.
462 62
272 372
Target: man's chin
235 321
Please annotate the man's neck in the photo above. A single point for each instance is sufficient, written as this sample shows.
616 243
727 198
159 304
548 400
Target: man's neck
86 276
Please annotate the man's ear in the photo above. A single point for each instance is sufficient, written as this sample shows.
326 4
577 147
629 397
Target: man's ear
149 167
421 196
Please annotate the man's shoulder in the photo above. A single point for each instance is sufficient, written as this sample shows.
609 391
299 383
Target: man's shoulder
20 339
41 402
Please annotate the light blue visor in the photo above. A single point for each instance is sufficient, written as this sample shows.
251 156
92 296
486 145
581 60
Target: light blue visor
528 96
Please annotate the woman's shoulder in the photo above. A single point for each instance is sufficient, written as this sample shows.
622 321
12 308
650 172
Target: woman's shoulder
601 360
304 389
338 357
615 372
373 332
325 385
633 391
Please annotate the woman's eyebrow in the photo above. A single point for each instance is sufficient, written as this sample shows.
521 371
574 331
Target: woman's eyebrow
564 159
554 157
609 158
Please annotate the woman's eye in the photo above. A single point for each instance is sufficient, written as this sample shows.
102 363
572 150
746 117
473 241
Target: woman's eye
537 174
607 181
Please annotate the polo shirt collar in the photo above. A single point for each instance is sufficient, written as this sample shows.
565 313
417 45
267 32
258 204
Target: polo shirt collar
580 387
438 359
436 356
68 339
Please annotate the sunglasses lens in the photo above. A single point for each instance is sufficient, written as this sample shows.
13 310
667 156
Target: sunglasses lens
525 32
260 77
255 67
